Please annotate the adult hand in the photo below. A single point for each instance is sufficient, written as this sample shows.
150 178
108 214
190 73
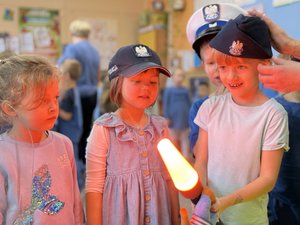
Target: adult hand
283 76
279 38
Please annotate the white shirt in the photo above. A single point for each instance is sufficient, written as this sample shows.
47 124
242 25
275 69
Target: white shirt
236 136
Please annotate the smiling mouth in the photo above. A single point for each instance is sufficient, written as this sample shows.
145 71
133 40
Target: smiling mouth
235 85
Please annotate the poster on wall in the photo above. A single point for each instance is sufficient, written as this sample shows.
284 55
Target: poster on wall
40 29
104 37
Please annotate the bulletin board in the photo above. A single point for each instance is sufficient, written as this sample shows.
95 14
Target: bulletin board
40 32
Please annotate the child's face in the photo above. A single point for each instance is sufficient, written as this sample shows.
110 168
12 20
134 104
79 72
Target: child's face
38 114
240 76
141 90
210 65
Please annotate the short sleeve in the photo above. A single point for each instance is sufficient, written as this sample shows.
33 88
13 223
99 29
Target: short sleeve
202 117
277 133
69 53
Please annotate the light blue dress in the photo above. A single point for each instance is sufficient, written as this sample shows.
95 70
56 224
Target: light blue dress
135 189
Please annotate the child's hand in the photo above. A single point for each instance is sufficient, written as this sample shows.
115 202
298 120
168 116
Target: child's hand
219 206
209 192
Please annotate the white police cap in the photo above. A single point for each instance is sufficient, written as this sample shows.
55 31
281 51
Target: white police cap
209 19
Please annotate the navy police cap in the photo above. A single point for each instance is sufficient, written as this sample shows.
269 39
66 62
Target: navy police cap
133 59
244 37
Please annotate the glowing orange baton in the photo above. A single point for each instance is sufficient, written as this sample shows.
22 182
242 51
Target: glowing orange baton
184 176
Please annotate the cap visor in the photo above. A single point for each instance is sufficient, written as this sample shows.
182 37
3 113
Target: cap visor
138 68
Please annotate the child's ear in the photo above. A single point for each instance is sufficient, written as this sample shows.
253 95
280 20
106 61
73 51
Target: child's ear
8 109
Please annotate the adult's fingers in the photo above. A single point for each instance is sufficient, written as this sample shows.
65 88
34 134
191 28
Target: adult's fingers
267 80
270 69
265 69
279 61
254 12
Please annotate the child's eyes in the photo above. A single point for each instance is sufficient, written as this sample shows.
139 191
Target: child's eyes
242 67
221 67
150 82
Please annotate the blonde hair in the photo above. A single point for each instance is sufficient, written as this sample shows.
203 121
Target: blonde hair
72 67
222 58
80 28
21 75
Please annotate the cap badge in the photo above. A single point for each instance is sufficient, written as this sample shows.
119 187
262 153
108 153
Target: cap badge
141 51
211 12
236 48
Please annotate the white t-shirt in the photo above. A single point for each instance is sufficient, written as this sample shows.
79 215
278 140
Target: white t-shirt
236 136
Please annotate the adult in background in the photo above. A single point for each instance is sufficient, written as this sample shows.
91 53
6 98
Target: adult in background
88 56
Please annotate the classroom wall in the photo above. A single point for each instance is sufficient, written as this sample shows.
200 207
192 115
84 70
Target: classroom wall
126 15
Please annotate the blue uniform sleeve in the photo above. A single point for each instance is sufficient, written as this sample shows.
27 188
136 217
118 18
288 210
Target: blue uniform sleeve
194 128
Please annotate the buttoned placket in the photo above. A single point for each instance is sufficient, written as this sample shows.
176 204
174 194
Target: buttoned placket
144 163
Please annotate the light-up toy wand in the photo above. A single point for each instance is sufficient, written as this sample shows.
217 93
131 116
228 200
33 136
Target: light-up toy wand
184 176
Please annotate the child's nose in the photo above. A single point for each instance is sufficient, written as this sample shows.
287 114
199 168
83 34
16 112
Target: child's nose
232 74
53 106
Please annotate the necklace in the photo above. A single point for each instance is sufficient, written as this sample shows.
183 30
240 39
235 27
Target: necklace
131 121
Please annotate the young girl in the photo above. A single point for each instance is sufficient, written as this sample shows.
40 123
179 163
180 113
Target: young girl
127 182
243 134
38 183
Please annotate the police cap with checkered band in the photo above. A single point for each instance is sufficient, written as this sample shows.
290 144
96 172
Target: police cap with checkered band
208 21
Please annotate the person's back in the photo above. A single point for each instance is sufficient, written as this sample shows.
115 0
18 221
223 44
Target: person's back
89 58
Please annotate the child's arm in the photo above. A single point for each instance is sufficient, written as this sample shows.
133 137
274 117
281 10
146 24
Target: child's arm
270 165
94 208
95 173
174 203
201 156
